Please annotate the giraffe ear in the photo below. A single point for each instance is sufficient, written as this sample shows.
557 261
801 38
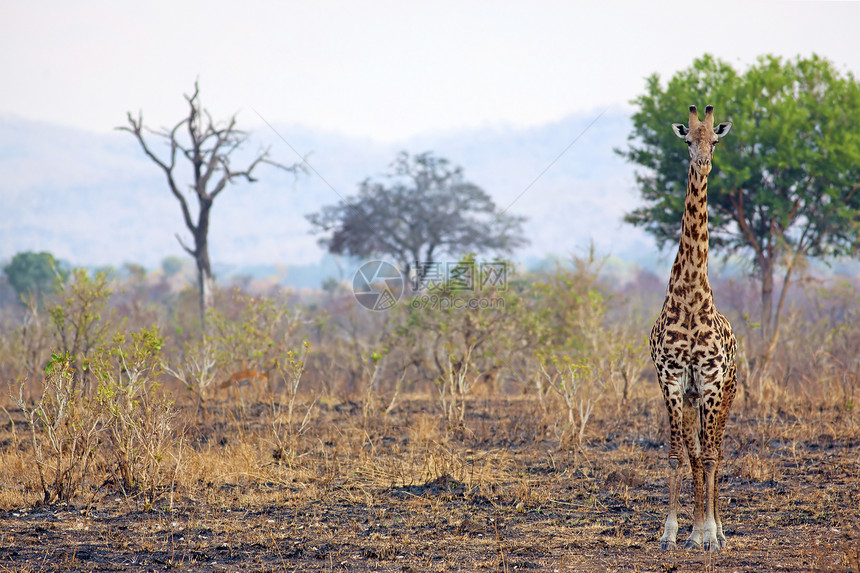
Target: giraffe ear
723 129
680 130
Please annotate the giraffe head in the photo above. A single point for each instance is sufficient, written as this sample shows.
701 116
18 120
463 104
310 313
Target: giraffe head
701 138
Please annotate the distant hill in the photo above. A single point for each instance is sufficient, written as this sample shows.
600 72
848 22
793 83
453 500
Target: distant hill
95 199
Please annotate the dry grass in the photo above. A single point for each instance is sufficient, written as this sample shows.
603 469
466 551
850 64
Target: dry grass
406 491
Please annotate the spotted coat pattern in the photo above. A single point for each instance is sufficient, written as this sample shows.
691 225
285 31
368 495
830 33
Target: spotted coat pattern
693 349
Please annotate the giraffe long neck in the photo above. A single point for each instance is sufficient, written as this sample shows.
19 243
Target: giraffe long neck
690 271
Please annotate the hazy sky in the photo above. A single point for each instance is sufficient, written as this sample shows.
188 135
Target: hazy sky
385 70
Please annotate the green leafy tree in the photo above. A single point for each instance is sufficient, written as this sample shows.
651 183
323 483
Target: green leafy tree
33 274
785 186
171 266
423 210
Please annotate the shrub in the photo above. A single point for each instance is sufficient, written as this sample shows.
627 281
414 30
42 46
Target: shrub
65 430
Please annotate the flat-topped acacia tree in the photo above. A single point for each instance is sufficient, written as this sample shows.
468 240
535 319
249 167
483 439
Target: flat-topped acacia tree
424 208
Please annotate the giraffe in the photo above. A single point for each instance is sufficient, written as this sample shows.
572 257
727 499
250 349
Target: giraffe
693 349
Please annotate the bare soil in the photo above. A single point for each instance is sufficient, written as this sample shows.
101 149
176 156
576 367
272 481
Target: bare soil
406 492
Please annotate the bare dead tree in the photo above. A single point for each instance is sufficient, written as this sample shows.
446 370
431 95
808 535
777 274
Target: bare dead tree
208 149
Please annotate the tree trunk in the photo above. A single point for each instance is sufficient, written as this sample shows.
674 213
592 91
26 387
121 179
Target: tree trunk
206 287
767 326
769 318
766 299
206 283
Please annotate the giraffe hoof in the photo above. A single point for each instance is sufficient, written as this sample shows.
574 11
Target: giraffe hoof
711 542
690 544
667 546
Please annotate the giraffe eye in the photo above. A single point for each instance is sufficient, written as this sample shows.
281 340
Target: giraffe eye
689 143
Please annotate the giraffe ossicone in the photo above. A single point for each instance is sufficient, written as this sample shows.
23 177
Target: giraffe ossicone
693 349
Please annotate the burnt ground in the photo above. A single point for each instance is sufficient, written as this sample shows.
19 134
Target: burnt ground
405 492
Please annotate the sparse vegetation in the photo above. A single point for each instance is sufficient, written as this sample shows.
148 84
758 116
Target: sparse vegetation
303 434
493 419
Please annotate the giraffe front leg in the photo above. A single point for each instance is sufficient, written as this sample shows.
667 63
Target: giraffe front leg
711 540
711 454
670 528
730 387
673 406
691 441
721 426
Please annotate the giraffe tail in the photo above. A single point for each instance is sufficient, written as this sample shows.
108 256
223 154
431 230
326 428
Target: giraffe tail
692 390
